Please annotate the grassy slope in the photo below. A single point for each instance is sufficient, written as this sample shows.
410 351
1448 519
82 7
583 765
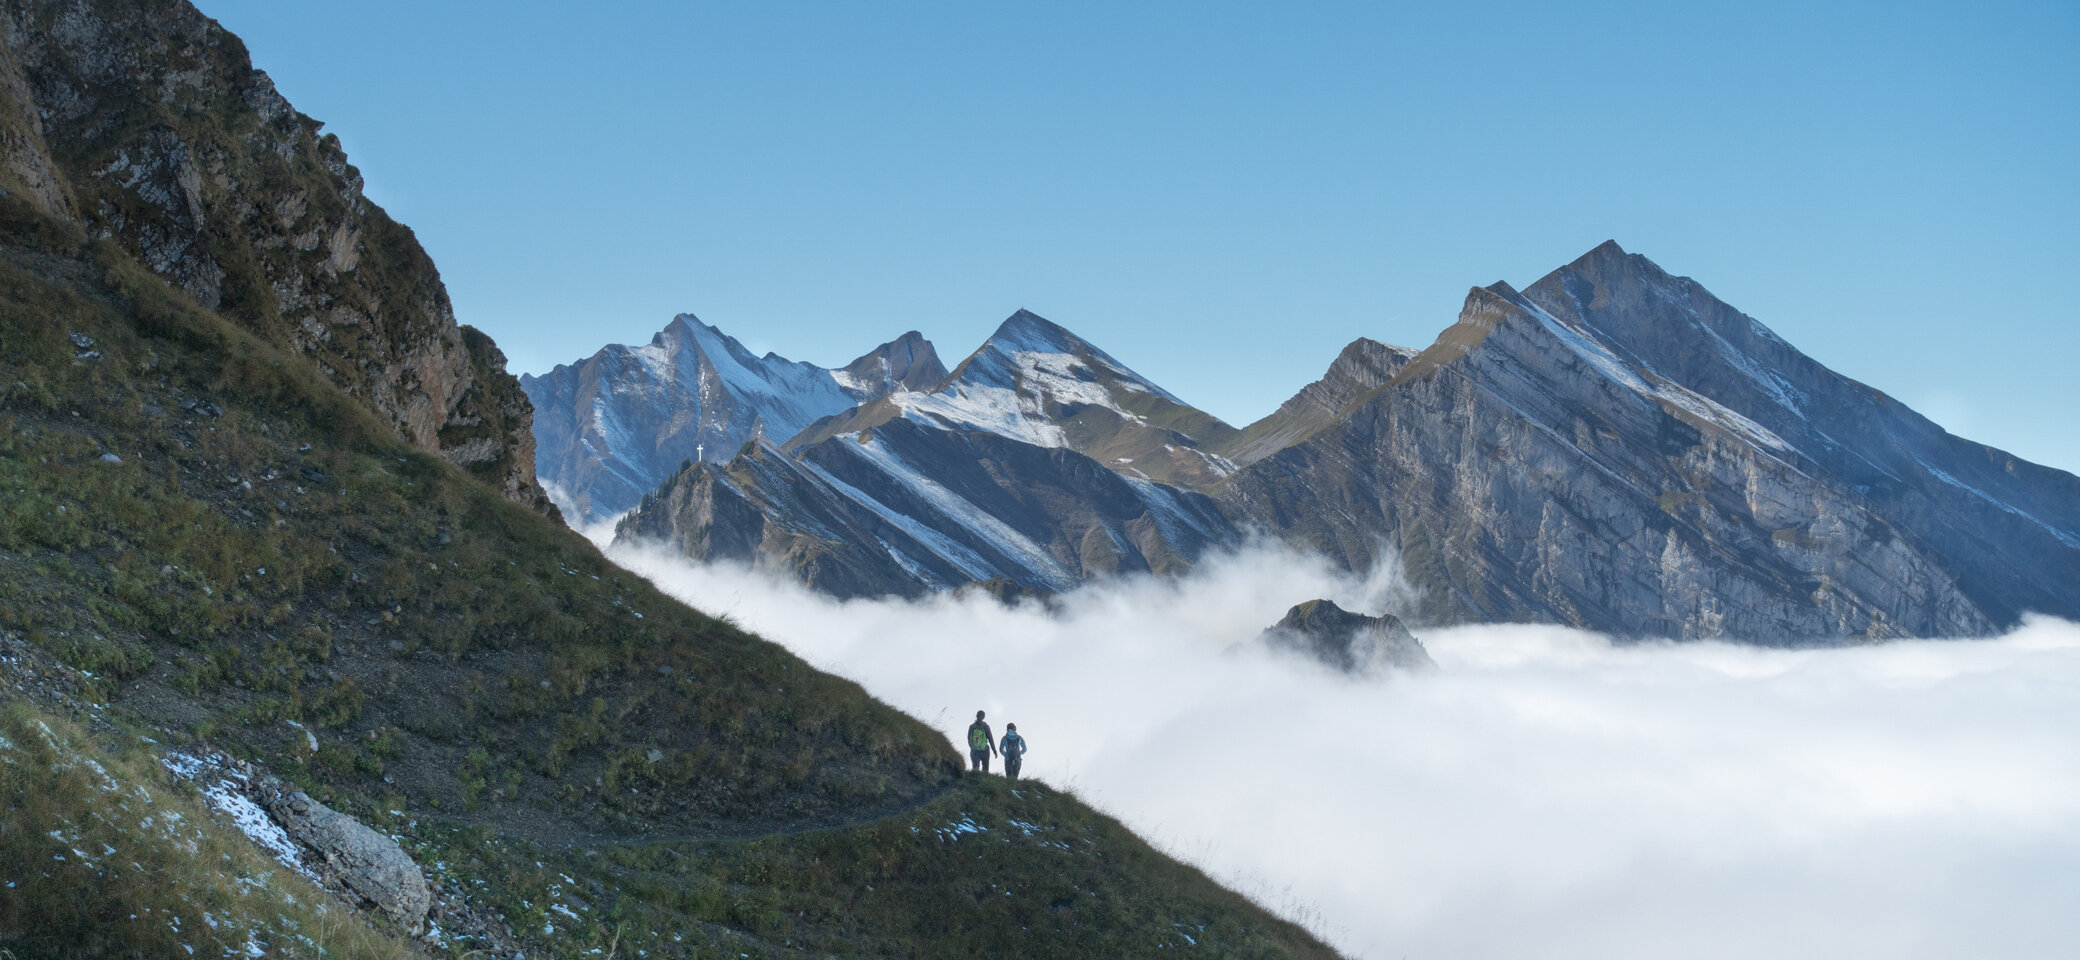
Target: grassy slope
99 859
477 677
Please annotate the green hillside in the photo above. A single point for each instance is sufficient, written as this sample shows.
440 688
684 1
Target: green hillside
209 536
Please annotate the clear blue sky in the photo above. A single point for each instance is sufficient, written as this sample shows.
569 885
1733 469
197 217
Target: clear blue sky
1224 195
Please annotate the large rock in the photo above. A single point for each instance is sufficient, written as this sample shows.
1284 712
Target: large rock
1351 642
364 861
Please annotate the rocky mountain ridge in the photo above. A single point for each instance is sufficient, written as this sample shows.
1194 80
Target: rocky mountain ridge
1029 463
1035 382
1611 448
610 428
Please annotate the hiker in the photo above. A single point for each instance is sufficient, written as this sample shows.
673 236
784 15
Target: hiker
1014 750
981 743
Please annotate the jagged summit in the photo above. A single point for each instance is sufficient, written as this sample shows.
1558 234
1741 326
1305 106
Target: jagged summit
908 362
612 427
1026 331
1027 343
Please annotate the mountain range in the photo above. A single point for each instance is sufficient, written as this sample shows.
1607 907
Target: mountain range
1611 448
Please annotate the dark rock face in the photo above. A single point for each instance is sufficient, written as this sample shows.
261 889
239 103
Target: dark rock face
907 507
1351 642
1619 451
157 133
26 167
610 428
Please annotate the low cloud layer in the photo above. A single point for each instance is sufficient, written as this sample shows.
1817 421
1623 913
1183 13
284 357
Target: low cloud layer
1545 794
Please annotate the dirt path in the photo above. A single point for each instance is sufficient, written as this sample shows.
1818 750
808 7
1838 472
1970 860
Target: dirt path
550 829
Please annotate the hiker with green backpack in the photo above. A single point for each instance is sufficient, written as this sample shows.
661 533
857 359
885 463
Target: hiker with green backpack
981 744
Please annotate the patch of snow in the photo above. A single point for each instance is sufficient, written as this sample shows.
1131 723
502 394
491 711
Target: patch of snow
952 551
308 736
1939 474
1599 356
994 409
1787 396
966 514
847 381
225 792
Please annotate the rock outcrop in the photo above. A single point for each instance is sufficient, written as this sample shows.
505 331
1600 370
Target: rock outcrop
149 127
1351 642
26 168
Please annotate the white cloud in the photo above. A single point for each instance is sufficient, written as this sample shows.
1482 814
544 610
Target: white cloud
1545 794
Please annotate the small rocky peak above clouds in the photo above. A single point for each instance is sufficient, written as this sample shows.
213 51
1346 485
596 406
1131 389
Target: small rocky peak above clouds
1351 642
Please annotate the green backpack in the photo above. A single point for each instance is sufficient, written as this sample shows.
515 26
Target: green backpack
978 738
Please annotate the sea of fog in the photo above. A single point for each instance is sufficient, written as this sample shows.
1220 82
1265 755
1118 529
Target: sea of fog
1545 794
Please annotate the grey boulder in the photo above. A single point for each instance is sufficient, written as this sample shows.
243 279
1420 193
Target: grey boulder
366 862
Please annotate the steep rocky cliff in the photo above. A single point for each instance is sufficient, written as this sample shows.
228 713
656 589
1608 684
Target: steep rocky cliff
611 427
147 124
2006 529
1622 452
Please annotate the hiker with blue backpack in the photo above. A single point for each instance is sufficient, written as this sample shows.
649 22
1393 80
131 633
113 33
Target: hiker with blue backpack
981 744
1013 749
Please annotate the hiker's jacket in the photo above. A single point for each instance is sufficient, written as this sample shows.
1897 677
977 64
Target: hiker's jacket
1014 746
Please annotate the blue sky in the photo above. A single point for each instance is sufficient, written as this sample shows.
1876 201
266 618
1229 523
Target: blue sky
1223 195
